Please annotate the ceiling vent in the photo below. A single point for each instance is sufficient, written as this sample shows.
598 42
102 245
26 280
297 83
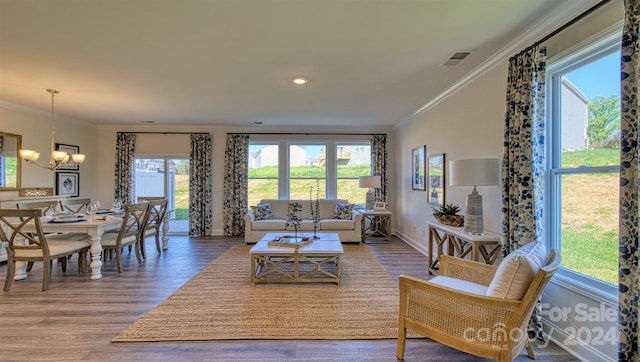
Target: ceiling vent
455 59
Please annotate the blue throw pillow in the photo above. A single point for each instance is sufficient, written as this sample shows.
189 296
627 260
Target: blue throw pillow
343 211
262 212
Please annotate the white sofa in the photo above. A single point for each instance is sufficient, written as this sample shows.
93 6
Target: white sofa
348 230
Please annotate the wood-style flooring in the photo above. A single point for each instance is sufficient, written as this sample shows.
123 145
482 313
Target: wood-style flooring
77 317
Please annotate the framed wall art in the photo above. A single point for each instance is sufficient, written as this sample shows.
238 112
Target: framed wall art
436 180
68 184
70 149
418 167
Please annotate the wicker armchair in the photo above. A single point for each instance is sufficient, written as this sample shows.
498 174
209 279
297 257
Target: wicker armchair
463 320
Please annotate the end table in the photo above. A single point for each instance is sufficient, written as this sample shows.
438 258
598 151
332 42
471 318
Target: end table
376 225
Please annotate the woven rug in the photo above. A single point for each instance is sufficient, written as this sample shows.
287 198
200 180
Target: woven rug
220 303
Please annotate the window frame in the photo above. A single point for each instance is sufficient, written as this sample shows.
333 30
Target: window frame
578 56
284 141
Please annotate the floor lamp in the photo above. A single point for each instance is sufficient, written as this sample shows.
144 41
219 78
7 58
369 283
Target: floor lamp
370 182
474 172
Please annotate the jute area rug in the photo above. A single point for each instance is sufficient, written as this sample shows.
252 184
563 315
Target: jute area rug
220 303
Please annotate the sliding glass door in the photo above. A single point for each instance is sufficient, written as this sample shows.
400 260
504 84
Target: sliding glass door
167 177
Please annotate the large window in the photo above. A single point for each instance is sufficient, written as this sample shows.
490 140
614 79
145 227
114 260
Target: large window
290 169
584 162
263 172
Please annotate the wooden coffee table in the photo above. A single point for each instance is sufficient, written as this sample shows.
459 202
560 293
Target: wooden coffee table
317 262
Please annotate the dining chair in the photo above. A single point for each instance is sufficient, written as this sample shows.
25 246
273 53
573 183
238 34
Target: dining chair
130 232
158 208
75 206
35 246
48 208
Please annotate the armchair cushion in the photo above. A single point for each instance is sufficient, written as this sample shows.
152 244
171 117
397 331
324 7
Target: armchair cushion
262 212
517 270
459 284
343 211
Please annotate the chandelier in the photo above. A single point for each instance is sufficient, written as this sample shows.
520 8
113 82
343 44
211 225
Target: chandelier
58 158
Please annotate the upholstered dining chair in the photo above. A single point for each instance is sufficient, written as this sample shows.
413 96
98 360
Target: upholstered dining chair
51 207
35 246
158 208
478 308
130 232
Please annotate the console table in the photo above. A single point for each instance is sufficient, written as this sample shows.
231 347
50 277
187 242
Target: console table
460 244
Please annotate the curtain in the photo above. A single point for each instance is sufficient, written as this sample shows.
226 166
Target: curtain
200 214
235 183
628 227
379 164
523 155
125 183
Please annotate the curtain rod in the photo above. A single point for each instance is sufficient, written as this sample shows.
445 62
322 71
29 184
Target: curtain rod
563 27
308 134
167 132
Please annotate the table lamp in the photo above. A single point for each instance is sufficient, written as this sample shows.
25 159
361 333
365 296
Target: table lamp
370 182
474 172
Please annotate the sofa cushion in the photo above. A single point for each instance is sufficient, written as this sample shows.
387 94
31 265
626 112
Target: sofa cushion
343 211
262 211
459 284
336 224
269 224
517 270
328 207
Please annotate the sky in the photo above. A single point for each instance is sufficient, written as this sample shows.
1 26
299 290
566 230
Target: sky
601 78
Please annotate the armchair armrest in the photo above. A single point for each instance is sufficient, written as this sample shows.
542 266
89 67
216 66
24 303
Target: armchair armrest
468 270
453 316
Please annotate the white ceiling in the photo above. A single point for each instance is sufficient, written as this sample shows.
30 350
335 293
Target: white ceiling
370 63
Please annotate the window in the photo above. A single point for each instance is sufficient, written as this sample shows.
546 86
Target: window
307 170
352 160
310 168
583 177
263 172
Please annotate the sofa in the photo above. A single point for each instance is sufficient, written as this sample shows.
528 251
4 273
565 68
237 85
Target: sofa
257 224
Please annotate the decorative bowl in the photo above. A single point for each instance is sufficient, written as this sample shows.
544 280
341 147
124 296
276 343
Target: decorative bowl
451 220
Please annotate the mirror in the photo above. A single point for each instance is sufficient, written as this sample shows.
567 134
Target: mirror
10 165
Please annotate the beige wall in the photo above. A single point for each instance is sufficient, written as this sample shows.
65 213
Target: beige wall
35 128
468 124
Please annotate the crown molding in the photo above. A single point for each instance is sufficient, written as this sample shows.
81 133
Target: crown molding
546 25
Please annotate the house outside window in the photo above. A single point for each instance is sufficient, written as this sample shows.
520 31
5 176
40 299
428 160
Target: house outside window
584 129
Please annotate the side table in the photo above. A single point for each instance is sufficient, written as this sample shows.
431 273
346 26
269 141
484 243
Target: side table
460 244
376 224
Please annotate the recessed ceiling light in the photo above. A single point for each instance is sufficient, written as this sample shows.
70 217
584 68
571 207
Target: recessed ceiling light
300 80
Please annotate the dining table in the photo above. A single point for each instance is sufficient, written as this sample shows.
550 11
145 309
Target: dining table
94 226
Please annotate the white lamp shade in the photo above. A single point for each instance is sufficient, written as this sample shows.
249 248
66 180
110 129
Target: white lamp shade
372 182
77 157
474 172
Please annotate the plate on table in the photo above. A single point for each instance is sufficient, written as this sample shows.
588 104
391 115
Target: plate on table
68 219
103 211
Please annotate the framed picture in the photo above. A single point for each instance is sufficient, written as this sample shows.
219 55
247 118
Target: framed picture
68 184
435 194
379 205
70 149
418 168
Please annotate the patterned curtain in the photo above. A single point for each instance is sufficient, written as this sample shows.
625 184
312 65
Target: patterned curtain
523 155
125 183
235 183
628 286
379 164
200 214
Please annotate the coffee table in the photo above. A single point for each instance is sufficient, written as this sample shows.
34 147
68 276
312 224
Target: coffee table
317 262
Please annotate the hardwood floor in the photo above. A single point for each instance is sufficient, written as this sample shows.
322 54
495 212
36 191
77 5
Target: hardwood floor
77 318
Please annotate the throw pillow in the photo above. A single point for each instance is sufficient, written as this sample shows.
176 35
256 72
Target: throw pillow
262 212
517 270
343 211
